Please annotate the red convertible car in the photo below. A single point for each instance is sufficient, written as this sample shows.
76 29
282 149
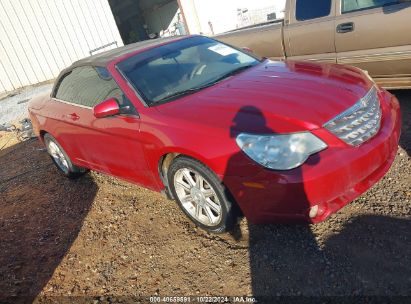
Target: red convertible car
221 131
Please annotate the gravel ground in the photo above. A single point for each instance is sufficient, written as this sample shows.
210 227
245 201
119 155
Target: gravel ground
15 107
99 236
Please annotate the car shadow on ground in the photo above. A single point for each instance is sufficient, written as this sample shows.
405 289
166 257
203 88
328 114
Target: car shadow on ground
37 225
370 254
404 97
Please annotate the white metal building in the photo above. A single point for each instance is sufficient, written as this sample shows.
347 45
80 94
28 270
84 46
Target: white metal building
38 38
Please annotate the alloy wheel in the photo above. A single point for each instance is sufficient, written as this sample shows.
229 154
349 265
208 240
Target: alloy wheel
58 156
197 197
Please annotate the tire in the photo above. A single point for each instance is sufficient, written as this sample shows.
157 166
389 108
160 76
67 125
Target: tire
61 159
201 195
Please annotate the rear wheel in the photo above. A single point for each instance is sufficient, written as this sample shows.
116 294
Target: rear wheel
61 159
201 195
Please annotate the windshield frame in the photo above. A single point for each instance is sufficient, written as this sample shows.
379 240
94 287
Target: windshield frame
150 103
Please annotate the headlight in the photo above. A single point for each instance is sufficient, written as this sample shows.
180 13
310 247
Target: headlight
280 152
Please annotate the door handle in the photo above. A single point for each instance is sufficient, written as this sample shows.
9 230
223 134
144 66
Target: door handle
73 116
345 27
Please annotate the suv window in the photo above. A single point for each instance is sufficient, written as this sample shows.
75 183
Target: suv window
88 86
307 10
356 5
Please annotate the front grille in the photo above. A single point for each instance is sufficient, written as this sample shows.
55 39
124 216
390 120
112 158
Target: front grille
360 122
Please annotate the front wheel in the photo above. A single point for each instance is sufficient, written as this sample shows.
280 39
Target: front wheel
61 159
201 195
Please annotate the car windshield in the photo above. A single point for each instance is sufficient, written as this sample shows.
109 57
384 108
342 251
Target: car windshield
183 67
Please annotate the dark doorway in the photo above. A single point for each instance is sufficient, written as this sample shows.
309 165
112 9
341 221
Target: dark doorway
140 20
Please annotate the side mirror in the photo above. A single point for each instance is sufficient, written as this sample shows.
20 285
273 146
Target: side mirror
107 108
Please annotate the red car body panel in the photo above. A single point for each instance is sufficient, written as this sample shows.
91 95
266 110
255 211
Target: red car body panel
290 97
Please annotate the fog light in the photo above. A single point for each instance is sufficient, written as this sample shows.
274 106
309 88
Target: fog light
314 211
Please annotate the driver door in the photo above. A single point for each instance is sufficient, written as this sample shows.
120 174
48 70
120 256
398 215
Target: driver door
111 145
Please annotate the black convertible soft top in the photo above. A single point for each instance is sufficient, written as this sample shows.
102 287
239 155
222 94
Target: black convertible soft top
102 59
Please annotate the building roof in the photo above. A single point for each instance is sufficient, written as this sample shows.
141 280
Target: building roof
102 59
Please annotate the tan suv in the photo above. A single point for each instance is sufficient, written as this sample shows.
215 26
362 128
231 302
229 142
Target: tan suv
374 35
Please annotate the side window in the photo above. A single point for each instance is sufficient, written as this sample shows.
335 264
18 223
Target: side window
356 5
88 86
307 10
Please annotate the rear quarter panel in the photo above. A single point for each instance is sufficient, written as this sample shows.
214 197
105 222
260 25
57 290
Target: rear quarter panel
48 116
36 106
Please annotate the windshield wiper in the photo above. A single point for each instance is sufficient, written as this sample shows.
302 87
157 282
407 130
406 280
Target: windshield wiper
199 88
181 93
234 72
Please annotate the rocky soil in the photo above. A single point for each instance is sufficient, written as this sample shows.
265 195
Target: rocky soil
105 240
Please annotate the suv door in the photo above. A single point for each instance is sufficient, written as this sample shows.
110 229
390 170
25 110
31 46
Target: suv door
309 30
110 145
375 36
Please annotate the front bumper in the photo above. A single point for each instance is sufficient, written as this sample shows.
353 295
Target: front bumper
330 179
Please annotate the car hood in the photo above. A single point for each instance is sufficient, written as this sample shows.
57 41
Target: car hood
274 96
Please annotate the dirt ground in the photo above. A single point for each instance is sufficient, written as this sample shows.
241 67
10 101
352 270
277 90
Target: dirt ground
102 239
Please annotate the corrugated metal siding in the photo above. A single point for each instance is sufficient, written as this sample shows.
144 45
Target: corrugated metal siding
39 38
